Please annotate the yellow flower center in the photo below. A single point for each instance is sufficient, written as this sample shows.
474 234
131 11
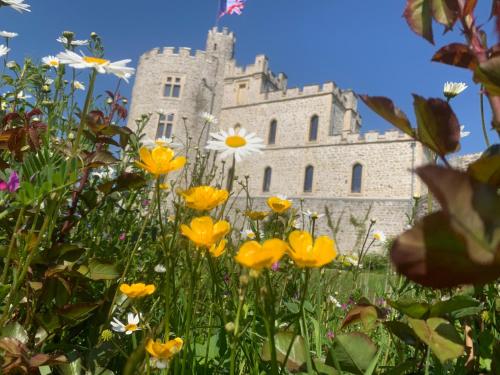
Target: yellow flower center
235 141
131 327
54 63
95 60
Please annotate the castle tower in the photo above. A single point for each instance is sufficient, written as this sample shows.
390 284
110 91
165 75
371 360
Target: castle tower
175 86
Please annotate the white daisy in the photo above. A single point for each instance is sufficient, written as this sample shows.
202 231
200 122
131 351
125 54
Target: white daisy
129 328
77 85
8 35
18 5
248 234
463 132
312 214
452 89
235 142
64 40
118 68
209 118
160 268
3 50
49 81
51 61
378 235
334 301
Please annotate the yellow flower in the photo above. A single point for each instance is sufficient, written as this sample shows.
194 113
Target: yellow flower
218 250
164 186
160 160
256 215
137 290
204 198
204 233
256 256
279 204
162 353
305 254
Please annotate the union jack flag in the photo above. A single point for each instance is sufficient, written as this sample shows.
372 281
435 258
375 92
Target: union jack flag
231 7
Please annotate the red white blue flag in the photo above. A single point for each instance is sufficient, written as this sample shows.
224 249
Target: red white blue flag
231 7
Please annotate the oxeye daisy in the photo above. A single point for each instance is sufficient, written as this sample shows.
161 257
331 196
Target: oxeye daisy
235 142
64 40
18 5
3 50
379 236
118 68
452 89
51 61
77 85
8 35
208 118
129 328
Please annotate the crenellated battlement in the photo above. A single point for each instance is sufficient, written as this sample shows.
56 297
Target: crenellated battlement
260 66
174 51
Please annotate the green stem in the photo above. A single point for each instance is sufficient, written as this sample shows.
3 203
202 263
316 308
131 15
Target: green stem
86 107
483 122
11 246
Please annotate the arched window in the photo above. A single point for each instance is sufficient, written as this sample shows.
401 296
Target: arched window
271 139
308 179
313 128
266 186
357 172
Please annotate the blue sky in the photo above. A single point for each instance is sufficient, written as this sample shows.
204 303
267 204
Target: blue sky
358 44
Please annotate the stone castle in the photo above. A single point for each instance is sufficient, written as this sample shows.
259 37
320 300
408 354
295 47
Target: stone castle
314 148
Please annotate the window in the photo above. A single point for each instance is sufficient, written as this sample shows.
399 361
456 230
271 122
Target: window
172 87
313 128
241 94
308 179
357 172
266 186
271 139
165 125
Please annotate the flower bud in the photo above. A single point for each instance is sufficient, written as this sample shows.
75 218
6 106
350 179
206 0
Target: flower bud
11 64
109 101
124 101
244 280
71 136
229 327
46 88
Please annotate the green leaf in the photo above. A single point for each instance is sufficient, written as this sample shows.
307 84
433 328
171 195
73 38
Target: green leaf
16 331
99 270
367 315
353 351
410 307
402 331
324 369
418 14
438 126
77 311
486 169
385 108
445 12
298 354
453 305
440 336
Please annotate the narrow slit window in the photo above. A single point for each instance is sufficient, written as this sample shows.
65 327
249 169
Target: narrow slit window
357 173
308 179
267 180
272 132
313 128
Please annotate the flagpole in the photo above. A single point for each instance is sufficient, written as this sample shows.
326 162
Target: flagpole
217 14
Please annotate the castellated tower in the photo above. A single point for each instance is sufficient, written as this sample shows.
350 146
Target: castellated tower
314 146
176 85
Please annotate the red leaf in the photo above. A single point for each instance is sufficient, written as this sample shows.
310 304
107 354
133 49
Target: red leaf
418 14
456 54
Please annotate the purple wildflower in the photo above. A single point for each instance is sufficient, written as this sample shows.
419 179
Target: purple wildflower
122 236
12 184
330 335
276 266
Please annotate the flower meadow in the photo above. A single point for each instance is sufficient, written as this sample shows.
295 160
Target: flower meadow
126 255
